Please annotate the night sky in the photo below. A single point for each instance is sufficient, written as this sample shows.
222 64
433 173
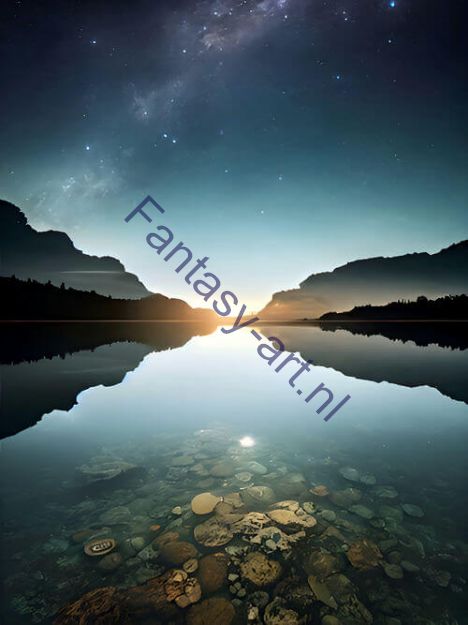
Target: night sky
283 137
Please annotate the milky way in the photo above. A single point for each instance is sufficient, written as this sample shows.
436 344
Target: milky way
284 137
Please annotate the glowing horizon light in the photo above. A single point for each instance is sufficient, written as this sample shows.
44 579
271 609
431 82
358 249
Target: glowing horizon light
247 441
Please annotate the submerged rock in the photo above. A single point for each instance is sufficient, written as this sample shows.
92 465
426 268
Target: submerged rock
391 513
321 563
341 587
277 614
243 476
394 571
213 572
251 523
190 566
353 611
290 519
176 552
110 562
368 479
274 539
362 511
101 469
350 474
364 555
257 468
215 611
328 515
322 592
260 570
412 510
254 495
345 498
205 503
386 492
320 491
223 469
213 533
97 606
182 589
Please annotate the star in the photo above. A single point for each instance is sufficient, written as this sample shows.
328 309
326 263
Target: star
87 148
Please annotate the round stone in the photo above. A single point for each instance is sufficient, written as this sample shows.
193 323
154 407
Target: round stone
205 503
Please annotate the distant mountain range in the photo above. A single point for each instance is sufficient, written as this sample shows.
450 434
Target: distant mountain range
374 281
448 307
43 256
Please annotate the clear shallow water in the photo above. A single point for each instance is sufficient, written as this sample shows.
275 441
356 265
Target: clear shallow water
198 400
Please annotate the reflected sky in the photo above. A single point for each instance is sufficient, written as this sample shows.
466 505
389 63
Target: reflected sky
221 379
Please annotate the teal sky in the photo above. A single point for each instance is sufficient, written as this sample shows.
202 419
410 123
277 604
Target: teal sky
283 138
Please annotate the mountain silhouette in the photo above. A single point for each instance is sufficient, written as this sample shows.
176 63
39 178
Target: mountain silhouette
31 300
374 281
448 307
51 255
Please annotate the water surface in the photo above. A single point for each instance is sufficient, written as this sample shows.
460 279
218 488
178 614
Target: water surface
149 397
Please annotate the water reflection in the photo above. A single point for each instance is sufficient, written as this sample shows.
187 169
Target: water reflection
211 415
408 354
44 366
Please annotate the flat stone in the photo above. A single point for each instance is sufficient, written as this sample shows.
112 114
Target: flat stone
412 510
257 468
288 518
205 503
350 474
362 511
213 533
322 592
177 552
386 492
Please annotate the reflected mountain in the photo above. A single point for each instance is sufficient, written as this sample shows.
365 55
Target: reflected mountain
408 354
44 366
451 334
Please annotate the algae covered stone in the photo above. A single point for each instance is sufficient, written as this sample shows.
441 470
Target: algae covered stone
259 569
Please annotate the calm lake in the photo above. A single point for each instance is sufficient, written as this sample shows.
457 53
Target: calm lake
110 431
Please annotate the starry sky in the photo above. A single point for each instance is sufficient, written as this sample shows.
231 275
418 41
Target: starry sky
283 137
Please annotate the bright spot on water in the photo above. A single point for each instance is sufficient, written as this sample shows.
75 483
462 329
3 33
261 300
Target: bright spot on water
247 441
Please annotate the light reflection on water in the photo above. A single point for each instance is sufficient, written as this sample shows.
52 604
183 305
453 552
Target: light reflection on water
412 438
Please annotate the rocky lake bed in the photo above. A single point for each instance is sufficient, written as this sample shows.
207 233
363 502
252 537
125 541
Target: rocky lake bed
202 531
